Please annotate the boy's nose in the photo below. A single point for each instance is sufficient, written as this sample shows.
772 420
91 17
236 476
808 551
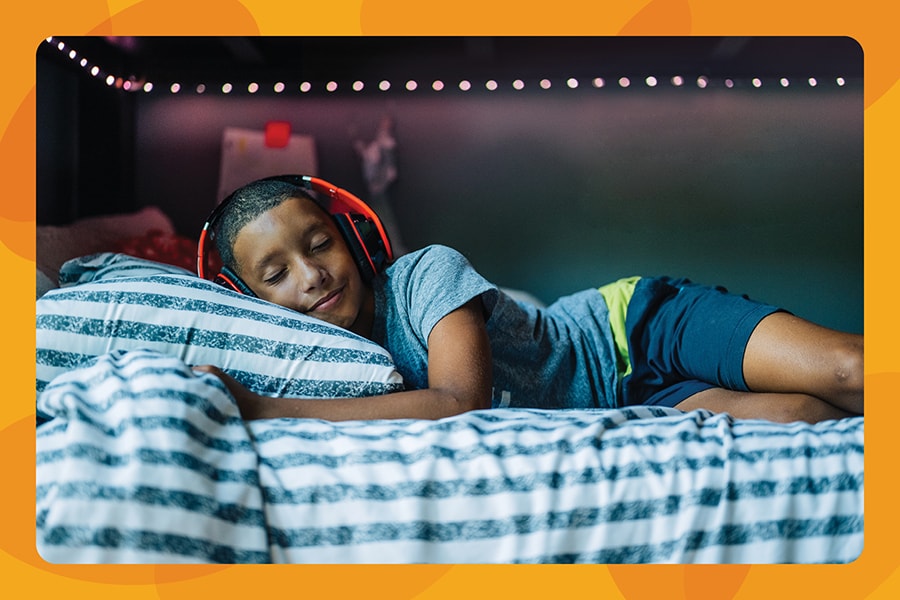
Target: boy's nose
311 274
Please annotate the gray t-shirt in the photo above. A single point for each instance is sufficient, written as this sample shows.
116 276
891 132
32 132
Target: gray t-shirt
561 356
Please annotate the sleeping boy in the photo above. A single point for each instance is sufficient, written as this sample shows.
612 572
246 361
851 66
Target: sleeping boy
463 344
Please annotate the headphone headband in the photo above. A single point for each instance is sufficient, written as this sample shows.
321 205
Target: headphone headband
358 223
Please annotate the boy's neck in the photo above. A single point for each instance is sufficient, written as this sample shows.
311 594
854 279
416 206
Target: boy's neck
366 318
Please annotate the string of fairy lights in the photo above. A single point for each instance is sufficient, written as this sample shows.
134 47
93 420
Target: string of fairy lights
132 83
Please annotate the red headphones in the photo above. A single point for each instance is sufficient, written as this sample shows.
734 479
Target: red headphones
360 227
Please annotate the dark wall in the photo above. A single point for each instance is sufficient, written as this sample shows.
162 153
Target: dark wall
84 144
759 190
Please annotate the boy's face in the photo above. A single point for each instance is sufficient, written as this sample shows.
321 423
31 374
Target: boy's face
293 255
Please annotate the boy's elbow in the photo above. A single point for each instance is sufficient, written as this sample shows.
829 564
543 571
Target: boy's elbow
454 402
474 401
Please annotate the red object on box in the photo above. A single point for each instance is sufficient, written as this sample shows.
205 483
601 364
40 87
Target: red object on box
278 134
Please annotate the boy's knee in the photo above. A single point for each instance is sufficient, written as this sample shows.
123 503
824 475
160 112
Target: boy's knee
847 366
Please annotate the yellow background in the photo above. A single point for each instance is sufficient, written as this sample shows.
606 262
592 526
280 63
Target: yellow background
873 23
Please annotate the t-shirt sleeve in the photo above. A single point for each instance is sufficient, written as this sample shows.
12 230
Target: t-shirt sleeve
441 280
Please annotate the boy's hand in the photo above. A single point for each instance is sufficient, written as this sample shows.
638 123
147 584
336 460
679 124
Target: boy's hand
247 401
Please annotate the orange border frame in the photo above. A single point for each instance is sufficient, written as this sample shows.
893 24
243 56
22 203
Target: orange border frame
871 22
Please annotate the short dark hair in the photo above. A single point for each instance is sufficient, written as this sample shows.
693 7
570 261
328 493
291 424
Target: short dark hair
246 204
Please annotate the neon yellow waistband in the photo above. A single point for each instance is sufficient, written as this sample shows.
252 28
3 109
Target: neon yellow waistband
617 296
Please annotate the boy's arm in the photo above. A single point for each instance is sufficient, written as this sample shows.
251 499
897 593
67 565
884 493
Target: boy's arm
459 380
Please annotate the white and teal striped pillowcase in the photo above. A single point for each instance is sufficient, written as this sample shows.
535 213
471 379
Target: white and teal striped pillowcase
110 265
119 303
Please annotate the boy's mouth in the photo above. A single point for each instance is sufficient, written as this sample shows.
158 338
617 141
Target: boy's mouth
328 300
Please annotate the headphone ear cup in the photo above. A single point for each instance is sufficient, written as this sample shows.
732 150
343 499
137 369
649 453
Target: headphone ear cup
364 242
229 279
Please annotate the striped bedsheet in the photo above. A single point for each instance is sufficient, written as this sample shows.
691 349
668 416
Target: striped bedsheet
145 461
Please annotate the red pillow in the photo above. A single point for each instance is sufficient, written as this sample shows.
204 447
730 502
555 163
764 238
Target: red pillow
168 248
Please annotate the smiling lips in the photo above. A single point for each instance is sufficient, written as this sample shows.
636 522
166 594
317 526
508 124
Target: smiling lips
327 301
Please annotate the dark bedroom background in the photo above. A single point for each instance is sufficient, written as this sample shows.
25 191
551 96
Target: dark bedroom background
735 161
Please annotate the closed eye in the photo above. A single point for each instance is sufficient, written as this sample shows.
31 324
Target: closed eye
321 245
273 279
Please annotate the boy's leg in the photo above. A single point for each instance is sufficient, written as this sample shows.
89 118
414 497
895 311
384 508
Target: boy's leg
786 354
782 408
679 332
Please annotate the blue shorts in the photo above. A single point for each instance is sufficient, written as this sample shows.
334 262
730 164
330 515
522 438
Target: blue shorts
684 338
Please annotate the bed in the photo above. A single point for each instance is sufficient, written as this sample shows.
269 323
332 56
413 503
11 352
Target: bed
139 459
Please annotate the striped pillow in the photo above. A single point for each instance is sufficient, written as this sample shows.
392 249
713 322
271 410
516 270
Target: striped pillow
124 303
109 265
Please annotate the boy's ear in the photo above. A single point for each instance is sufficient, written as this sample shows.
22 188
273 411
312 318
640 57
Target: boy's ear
229 279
